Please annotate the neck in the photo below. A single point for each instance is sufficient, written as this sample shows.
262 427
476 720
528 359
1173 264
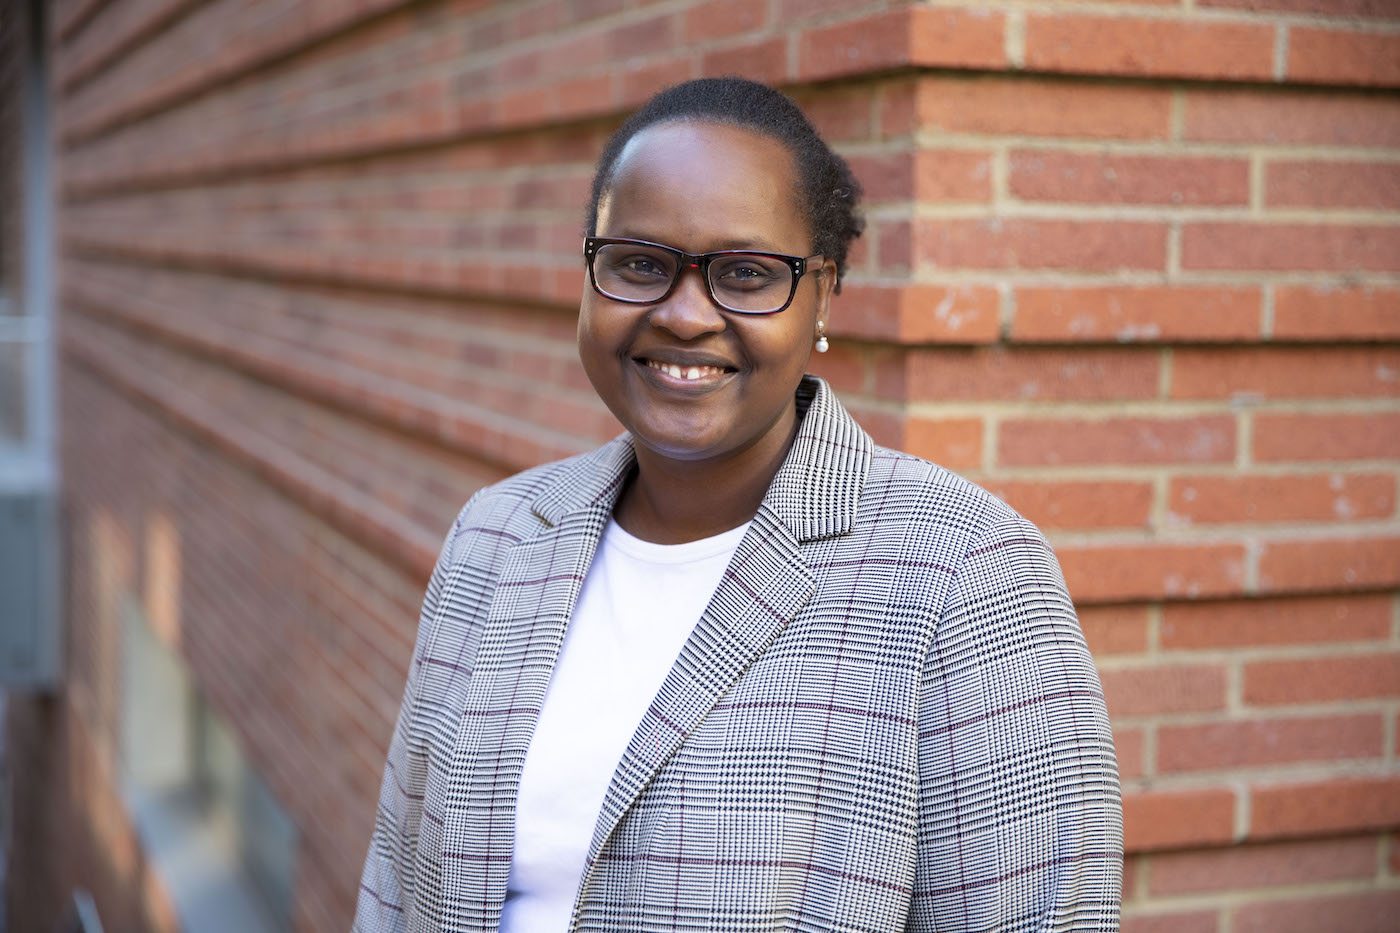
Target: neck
672 501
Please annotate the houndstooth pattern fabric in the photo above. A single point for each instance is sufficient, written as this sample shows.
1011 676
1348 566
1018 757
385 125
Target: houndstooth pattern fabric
885 720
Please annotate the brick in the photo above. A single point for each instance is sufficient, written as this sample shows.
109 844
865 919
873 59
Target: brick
1129 572
579 97
894 246
1270 865
1079 504
1318 497
520 67
1330 436
765 61
928 175
840 114
1133 869
1290 247
640 82
1279 117
1329 312
949 374
584 10
918 36
1121 314
1262 742
1100 178
1035 107
1377 8
722 19
1375 675
896 108
651 36
860 261
535 20
842 366
883 426
1181 921
1337 56
955 443
1128 742
1355 912
1036 243
1047 441
1114 629
884 176
519 108
1155 820
1330 806
942 175
917 313
1285 372
1336 184
1168 688
1149 47
792 11
1329 565
956 38
1290 621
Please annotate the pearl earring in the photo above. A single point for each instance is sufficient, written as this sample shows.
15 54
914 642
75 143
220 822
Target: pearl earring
821 346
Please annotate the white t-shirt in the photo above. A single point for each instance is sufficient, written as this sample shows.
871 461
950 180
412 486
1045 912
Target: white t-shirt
637 607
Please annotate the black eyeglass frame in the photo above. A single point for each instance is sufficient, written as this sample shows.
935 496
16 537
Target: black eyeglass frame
701 261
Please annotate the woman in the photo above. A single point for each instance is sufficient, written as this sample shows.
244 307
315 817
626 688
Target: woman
740 668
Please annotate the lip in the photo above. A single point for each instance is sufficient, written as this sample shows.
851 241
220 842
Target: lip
664 381
683 358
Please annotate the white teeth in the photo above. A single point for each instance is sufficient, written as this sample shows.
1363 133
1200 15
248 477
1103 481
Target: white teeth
688 373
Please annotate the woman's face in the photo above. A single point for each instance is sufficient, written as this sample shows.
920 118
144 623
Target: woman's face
701 187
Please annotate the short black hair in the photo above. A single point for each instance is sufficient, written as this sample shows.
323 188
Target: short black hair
827 189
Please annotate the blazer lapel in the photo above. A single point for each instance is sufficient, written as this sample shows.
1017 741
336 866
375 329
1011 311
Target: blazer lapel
521 637
763 588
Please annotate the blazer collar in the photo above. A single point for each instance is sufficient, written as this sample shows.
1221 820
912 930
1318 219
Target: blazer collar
814 494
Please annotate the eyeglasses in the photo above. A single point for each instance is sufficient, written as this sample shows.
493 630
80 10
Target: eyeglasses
742 281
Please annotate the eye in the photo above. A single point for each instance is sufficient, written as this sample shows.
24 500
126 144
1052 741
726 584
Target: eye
643 265
748 273
634 265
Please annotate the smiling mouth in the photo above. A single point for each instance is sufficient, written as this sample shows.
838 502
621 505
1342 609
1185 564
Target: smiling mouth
688 373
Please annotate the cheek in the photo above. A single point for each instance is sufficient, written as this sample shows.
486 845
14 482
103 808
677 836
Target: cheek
788 349
593 332
602 339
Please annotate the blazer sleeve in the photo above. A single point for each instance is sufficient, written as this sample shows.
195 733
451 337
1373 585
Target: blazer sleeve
387 881
1020 813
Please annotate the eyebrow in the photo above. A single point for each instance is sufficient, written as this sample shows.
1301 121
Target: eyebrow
756 245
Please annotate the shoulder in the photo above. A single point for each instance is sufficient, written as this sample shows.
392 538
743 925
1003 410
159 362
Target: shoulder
509 508
931 516
914 489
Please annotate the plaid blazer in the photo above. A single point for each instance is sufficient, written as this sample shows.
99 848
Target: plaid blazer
886 719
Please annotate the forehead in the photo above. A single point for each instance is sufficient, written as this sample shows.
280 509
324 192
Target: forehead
693 184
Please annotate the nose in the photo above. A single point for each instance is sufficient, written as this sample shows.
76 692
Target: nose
688 312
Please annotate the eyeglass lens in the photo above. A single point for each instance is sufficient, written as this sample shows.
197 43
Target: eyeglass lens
746 282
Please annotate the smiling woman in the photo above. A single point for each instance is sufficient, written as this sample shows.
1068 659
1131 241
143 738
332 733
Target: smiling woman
740 669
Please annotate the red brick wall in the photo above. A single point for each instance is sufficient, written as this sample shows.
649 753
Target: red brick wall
1135 266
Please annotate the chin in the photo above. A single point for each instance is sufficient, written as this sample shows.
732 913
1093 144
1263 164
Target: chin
677 442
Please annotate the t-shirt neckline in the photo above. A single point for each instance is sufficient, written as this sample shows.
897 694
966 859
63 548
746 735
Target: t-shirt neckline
618 538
